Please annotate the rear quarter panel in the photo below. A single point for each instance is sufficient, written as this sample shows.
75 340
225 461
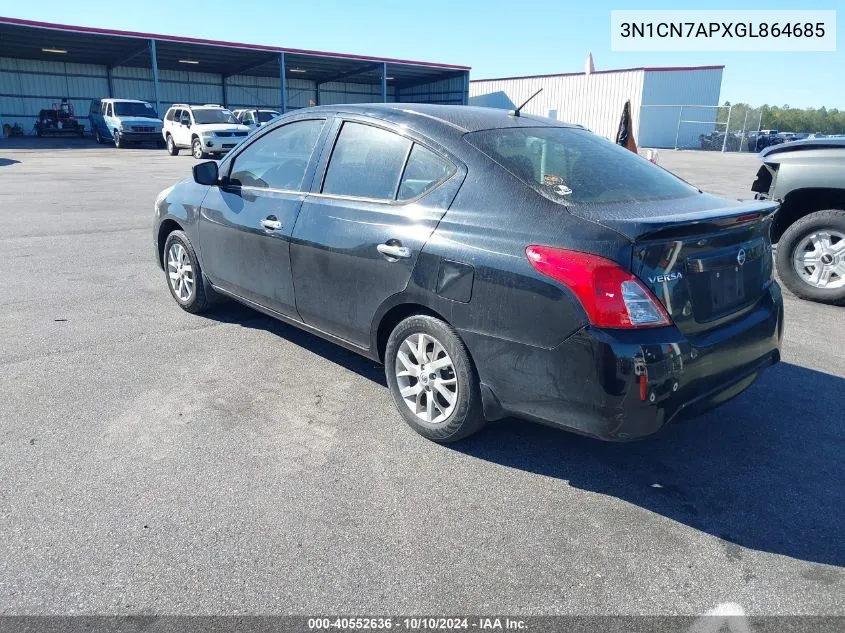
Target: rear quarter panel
807 169
491 222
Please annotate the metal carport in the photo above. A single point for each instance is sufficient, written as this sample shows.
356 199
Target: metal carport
42 62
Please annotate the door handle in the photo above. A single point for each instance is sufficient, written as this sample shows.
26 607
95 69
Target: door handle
271 223
394 251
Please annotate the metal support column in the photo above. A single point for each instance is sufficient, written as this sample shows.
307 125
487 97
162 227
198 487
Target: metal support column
154 64
727 127
223 85
384 82
465 99
110 80
678 131
283 82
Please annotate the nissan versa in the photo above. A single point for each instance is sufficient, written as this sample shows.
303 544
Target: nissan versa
497 264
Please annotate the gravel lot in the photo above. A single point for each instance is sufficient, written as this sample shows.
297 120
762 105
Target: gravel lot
157 462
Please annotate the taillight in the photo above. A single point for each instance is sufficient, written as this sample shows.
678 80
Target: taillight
611 296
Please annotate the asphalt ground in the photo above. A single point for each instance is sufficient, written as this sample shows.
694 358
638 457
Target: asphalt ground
156 462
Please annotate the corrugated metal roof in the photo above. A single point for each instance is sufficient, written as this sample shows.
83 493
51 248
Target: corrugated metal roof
192 41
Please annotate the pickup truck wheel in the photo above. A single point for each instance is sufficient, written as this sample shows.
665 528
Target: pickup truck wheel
171 146
118 140
811 257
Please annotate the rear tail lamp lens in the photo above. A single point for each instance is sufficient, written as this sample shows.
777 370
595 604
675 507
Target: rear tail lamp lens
610 295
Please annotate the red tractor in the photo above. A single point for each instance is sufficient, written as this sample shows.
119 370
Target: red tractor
59 121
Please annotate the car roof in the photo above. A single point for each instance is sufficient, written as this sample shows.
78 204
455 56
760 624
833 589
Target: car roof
126 100
463 118
209 106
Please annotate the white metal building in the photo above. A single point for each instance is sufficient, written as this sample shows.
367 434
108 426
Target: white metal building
595 100
41 63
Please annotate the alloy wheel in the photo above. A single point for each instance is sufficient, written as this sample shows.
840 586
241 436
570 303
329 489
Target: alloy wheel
819 259
425 375
197 150
180 272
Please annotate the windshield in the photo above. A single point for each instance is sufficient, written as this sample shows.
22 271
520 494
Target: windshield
213 115
266 115
572 166
132 108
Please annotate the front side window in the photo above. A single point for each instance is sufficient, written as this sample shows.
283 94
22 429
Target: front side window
109 110
277 160
572 166
205 116
366 162
265 116
424 171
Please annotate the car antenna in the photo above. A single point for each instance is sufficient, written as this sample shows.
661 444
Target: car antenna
525 103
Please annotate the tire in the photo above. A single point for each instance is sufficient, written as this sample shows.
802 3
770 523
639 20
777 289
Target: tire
465 416
829 225
194 298
119 143
196 149
171 146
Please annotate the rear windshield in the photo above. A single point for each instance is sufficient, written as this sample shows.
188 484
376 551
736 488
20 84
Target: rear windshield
572 166
213 115
131 108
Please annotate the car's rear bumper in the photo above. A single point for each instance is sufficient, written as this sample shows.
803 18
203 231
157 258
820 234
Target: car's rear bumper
622 385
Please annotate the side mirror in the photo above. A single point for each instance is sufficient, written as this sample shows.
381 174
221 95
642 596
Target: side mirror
206 173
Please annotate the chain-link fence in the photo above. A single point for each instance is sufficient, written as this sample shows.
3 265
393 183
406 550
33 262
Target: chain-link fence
708 128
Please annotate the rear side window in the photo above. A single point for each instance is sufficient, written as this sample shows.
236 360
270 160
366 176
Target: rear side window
366 162
572 165
424 171
277 160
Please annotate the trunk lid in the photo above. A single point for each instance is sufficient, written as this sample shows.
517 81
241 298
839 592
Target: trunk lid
707 260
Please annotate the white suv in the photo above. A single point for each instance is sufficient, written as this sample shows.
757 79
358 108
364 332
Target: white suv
205 129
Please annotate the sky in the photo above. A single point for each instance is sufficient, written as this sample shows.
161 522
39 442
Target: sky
495 38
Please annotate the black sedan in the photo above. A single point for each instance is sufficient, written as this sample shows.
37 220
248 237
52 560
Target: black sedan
496 264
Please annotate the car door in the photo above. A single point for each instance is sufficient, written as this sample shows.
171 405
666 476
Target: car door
246 223
182 133
108 118
172 123
360 232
